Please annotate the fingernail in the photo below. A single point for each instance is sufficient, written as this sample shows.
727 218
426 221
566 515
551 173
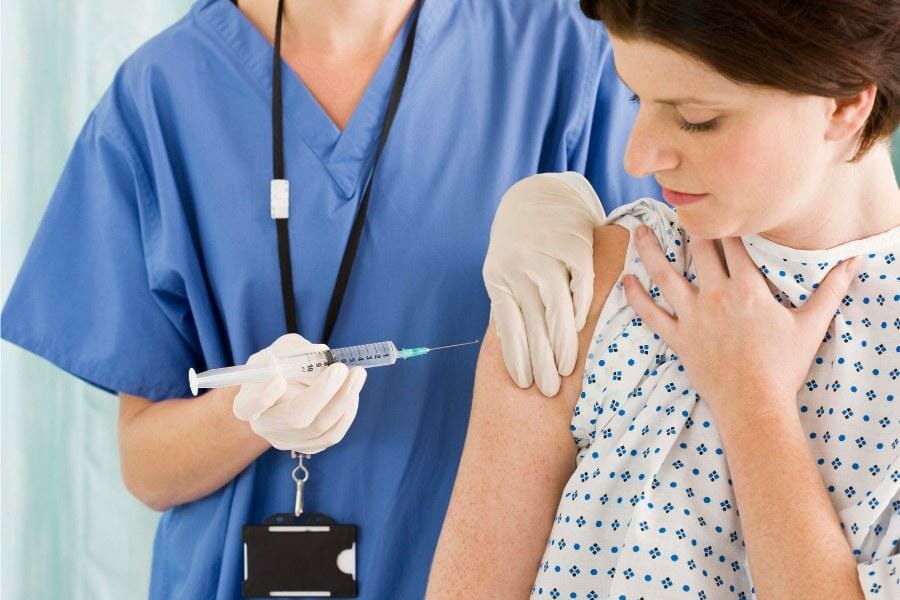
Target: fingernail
549 386
851 266
642 231
521 377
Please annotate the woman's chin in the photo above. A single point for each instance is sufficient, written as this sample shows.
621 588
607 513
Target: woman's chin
700 225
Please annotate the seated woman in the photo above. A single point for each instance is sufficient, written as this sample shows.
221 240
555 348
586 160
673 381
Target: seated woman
734 433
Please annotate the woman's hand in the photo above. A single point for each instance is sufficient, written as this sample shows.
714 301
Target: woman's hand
746 354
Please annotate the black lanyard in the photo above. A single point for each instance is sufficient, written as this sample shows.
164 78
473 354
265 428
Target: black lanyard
284 253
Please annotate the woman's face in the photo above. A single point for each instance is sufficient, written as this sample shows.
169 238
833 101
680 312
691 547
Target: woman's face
734 159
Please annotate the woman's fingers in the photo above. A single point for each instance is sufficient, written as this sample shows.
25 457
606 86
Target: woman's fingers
677 291
740 265
654 316
707 262
819 310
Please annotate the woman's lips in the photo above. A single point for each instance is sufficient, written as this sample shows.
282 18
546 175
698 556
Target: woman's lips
680 198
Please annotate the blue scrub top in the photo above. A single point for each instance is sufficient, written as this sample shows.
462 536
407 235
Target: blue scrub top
157 252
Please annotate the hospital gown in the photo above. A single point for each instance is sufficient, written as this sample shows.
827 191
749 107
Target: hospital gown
649 511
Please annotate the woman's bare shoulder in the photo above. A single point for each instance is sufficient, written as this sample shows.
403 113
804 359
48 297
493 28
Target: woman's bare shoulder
610 248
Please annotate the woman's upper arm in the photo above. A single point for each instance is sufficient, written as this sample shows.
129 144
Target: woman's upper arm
518 455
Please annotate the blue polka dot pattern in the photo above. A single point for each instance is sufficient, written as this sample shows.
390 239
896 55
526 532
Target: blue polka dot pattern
649 510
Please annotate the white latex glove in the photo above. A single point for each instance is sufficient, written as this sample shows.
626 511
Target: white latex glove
539 273
307 415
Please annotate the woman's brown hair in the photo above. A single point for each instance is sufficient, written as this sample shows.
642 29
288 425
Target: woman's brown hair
830 48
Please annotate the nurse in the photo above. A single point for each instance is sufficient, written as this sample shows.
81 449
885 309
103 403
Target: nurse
159 252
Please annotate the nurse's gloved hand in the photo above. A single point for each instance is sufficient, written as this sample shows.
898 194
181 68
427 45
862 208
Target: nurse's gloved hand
539 273
307 415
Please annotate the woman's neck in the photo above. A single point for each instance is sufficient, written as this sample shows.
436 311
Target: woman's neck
855 201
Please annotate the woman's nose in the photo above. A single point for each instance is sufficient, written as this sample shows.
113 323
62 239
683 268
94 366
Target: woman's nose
647 151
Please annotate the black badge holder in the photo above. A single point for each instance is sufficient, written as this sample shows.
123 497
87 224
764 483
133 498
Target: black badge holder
299 554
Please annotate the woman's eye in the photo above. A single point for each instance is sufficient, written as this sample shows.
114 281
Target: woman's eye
684 124
696 127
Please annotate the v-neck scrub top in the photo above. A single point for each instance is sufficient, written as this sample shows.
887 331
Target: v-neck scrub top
649 511
157 252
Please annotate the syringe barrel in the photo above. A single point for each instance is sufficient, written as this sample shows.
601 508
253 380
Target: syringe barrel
378 354
295 366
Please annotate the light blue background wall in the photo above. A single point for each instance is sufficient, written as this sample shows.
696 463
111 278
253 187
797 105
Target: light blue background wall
69 528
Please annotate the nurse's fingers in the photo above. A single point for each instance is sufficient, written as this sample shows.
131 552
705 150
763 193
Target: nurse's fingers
300 405
560 315
576 250
330 437
582 285
344 400
510 324
336 432
321 435
294 343
254 398
544 368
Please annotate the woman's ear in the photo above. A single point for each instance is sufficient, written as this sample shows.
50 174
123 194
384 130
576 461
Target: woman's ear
847 116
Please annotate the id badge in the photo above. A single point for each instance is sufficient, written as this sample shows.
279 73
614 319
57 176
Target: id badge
300 556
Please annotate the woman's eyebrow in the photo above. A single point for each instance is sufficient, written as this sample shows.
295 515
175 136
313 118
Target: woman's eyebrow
687 100
670 101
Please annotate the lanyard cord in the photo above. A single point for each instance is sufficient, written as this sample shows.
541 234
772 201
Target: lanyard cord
284 239
284 254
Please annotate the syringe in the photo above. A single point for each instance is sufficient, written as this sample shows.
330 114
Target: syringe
293 366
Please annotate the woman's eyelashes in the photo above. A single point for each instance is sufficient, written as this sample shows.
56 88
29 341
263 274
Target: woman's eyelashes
684 124
697 127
